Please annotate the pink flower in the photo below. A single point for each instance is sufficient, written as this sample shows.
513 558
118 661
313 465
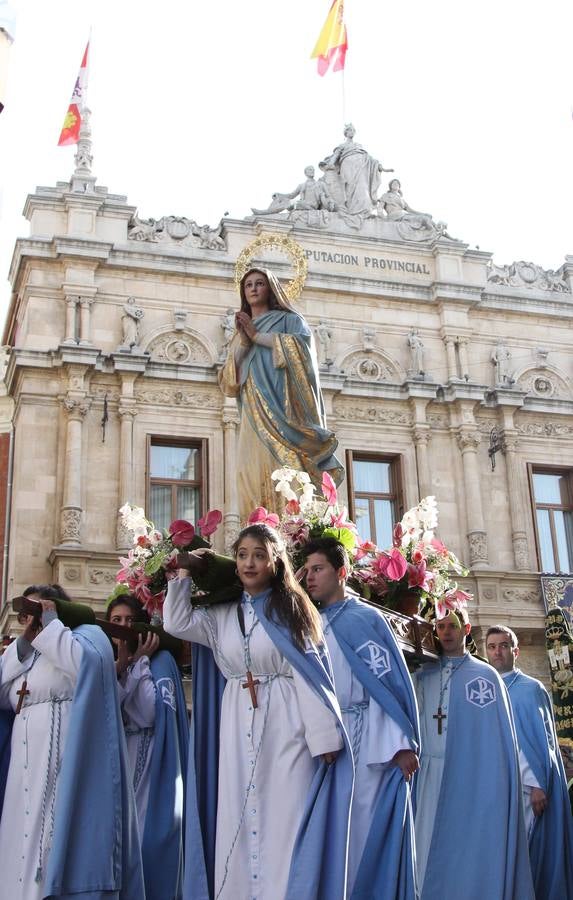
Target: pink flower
417 557
143 541
260 514
417 576
441 549
209 523
329 489
364 549
397 535
392 565
292 508
182 532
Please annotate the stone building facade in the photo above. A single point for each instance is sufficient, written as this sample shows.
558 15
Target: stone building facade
429 354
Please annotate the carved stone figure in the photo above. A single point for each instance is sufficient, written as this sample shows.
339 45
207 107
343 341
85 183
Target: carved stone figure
145 229
130 322
368 338
228 325
313 204
324 335
524 274
412 224
359 177
501 357
210 238
416 346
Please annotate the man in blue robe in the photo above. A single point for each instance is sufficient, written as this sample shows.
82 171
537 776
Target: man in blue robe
546 801
380 715
468 790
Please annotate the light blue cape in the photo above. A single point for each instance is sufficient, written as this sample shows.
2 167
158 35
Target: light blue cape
387 869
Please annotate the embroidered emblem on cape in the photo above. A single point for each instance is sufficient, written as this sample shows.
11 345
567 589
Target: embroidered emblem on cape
166 690
376 658
480 692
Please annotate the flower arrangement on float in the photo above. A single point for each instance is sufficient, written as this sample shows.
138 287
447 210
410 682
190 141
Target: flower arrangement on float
152 561
417 564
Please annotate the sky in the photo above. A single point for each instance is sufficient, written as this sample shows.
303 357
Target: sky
204 108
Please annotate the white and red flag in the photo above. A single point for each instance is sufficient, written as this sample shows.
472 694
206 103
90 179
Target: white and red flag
73 120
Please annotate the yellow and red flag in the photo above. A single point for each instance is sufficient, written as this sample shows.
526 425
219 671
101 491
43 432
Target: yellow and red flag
73 120
332 43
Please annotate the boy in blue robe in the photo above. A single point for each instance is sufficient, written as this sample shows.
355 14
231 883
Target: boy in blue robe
468 790
546 801
379 711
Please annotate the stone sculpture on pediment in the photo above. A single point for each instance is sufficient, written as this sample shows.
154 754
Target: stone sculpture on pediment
528 275
544 382
145 229
311 208
416 345
372 365
177 230
412 225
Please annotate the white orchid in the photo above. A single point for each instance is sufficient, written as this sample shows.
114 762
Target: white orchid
134 520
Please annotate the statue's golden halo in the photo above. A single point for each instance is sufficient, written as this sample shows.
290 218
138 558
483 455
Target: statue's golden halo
283 244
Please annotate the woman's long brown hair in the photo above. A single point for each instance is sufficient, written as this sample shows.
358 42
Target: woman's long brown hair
288 603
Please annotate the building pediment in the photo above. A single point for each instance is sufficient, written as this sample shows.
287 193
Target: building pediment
182 347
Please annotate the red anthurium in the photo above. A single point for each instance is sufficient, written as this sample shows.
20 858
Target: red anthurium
364 549
182 532
209 523
392 565
329 489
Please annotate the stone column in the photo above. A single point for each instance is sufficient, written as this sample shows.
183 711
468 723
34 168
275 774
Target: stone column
468 442
71 512
421 441
231 519
463 352
71 304
127 412
516 510
450 343
85 320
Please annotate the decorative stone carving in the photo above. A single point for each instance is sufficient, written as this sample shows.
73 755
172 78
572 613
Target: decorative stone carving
528 275
311 208
180 349
101 391
123 536
324 340
541 356
478 547
412 225
468 440
76 408
178 397
545 429
544 383
416 346
178 230
520 551
501 357
70 525
368 338
484 425
179 319
374 367
437 420
350 410
72 573
521 596
227 323
231 527
130 326
101 576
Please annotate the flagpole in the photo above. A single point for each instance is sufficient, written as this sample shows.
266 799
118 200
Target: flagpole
343 100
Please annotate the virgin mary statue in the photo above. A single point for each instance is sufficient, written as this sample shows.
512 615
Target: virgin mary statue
272 370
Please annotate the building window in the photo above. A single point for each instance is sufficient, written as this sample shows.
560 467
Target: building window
176 480
552 492
375 495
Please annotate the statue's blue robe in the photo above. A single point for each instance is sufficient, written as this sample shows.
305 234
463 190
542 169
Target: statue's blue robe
551 839
318 865
387 867
479 847
162 843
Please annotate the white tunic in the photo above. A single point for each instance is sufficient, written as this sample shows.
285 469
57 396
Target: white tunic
50 677
374 737
137 699
433 755
266 754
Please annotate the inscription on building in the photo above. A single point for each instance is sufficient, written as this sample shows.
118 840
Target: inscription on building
368 262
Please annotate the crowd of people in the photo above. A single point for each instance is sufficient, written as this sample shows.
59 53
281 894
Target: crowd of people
316 764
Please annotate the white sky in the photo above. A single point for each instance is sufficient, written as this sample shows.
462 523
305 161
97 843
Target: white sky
200 108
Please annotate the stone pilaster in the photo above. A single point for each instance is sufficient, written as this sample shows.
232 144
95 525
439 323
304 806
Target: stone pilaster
450 344
421 440
86 304
463 356
468 441
516 510
127 412
71 511
231 519
72 301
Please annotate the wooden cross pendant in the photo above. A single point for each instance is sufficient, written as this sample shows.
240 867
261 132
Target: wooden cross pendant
439 716
22 693
251 684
